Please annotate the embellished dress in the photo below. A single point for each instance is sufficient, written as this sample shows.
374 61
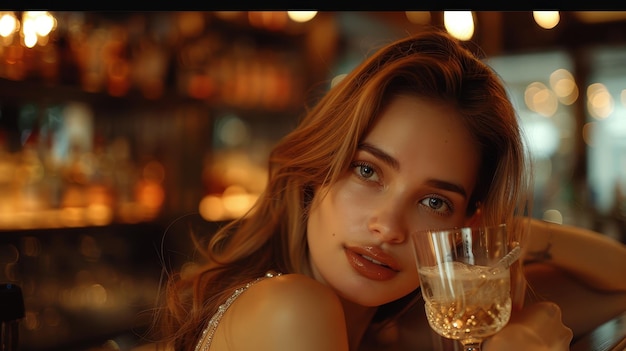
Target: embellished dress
207 334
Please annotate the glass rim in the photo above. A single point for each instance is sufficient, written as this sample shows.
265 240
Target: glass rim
471 228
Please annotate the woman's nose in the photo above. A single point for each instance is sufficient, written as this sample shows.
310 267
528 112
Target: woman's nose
388 221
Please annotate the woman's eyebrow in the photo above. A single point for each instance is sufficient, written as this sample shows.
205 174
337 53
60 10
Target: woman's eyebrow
445 185
380 154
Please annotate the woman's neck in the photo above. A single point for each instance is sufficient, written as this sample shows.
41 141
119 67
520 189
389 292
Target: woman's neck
358 318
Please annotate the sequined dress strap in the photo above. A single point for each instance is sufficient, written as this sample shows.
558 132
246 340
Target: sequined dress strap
207 334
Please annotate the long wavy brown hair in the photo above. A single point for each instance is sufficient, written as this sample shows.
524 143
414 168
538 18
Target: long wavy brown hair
272 236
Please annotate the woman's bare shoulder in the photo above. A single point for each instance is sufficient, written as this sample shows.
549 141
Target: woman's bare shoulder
288 283
288 312
291 293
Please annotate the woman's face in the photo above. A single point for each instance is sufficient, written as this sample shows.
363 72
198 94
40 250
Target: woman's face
415 170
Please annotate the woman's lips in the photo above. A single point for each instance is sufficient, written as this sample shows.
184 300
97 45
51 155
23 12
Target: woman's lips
371 263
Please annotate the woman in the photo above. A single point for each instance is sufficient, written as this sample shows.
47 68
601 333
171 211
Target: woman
420 135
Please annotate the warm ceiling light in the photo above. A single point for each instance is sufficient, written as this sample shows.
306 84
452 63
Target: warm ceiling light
301 16
460 24
547 19
8 24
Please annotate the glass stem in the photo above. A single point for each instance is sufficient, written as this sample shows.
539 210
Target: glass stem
471 345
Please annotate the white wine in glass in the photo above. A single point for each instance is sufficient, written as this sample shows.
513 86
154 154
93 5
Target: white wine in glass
465 281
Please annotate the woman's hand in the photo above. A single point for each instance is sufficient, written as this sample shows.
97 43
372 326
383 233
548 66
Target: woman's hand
537 327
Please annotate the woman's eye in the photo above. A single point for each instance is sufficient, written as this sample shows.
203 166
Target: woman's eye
437 204
365 171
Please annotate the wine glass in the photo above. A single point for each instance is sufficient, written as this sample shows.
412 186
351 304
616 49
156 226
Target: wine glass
465 281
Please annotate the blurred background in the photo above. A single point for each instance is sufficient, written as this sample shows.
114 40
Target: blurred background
121 132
